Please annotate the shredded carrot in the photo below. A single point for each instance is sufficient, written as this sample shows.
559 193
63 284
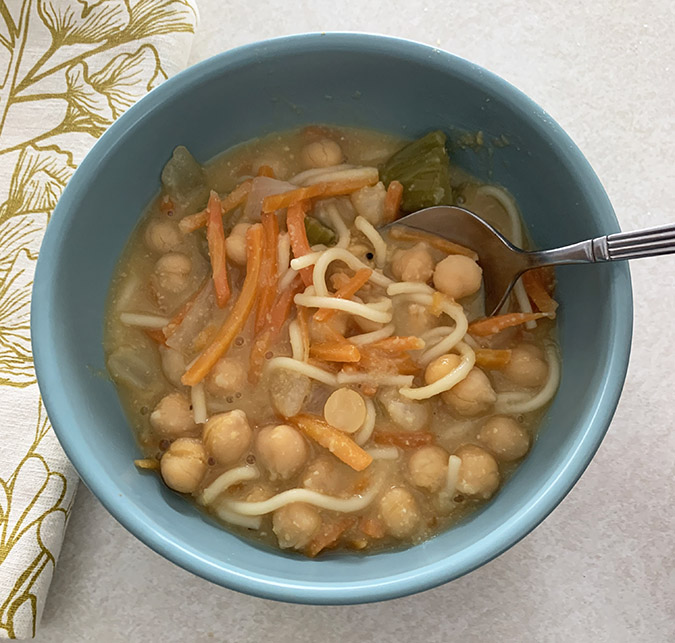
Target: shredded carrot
339 444
277 317
324 190
268 272
233 200
304 329
492 325
346 291
295 222
238 315
378 361
492 359
535 282
392 201
215 236
335 352
266 170
403 440
372 527
156 335
401 233
329 534
398 344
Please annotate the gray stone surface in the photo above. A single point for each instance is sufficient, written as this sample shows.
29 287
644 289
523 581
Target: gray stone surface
601 567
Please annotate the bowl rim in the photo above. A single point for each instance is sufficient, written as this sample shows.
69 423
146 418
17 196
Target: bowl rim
313 592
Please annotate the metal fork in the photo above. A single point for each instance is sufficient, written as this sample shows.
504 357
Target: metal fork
503 263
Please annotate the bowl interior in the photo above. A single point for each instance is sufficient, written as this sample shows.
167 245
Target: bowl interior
379 83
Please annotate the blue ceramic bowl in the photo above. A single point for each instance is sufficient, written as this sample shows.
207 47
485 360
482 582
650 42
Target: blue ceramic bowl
351 79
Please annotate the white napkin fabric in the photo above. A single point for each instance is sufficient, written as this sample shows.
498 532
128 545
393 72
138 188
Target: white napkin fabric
68 68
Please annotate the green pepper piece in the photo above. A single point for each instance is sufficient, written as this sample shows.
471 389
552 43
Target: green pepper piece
423 168
319 233
182 175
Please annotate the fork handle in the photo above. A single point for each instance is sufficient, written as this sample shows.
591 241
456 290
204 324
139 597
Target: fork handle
614 247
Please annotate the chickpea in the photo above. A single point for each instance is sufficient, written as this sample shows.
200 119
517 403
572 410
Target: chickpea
399 512
172 417
410 415
173 365
428 467
414 264
235 244
173 271
440 367
369 203
227 436
295 525
322 153
527 366
458 276
505 438
345 410
473 395
326 475
282 450
478 474
162 236
183 465
227 376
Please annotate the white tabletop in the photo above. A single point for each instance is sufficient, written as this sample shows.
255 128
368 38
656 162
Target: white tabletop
601 567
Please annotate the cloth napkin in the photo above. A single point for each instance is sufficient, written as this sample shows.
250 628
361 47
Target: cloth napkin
68 69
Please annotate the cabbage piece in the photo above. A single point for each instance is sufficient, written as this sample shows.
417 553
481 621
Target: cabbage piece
423 167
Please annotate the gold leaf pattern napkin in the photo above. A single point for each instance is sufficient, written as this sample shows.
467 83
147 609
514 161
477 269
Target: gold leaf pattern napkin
68 69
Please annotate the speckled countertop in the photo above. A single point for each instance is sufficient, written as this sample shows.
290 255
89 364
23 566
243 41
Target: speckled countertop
602 566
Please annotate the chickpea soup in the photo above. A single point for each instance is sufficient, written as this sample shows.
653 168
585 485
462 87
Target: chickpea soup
310 380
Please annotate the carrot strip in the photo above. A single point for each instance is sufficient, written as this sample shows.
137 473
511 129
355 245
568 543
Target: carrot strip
346 291
277 317
392 201
403 440
215 237
372 527
492 359
339 444
401 233
266 170
398 344
295 222
156 335
269 274
377 361
324 190
237 317
233 200
492 325
304 329
535 286
329 534
335 352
